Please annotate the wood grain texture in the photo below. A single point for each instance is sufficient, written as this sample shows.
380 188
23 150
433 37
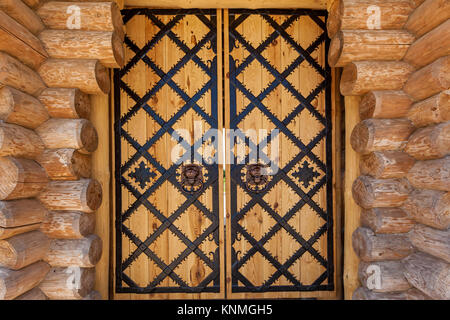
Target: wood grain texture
412 294
390 273
386 164
386 220
66 103
83 195
14 283
21 109
433 110
19 142
16 213
431 142
429 15
384 105
65 164
68 224
15 74
23 14
33 294
68 283
90 76
431 174
432 241
6 233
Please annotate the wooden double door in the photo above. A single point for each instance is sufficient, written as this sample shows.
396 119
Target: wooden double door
197 217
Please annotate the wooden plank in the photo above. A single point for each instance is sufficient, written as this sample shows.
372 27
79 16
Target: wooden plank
224 4
101 169
352 210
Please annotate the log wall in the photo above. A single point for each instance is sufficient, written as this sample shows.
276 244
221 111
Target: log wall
397 61
48 198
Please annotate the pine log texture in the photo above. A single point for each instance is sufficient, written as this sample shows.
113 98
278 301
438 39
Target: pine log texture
428 16
19 142
430 46
431 174
384 105
383 276
386 164
105 46
24 249
429 207
15 74
68 283
431 142
15 283
360 45
378 247
354 15
90 76
66 103
21 178
33 294
380 135
412 294
433 110
77 134
83 195
361 77
22 109
16 213
17 41
370 193
387 220
33 3
68 224
429 80
6 233
65 164
432 241
84 252
23 14
95 16
428 274
93 295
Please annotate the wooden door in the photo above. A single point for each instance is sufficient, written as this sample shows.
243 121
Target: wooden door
168 231
280 228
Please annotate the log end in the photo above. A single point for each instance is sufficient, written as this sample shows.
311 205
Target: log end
88 137
348 79
360 138
335 50
102 78
82 104
334 18
94 195
95 250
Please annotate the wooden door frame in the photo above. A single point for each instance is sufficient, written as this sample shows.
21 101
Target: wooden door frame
103 159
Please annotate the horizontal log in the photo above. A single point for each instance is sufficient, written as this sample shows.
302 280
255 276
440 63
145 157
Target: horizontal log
16 213
6 233
23 14
22 109
429 207
33 3
359 15
17 41
432 241
431 142
386 164
380 135
383 276
431 174
428 274
213 4
93 295
384 105
429 80
68 224
428 16
33 294
433 110
369 192
24 249
360 45
65 164
105 46
19 142
96 16
83 195
361 77
412 294
77 134
15 74
66 103
84 252
71 283
15 283
429 47
21 178
386 220
90 76
378 247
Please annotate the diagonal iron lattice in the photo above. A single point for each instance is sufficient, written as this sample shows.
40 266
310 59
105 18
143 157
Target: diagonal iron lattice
297 167
141 174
